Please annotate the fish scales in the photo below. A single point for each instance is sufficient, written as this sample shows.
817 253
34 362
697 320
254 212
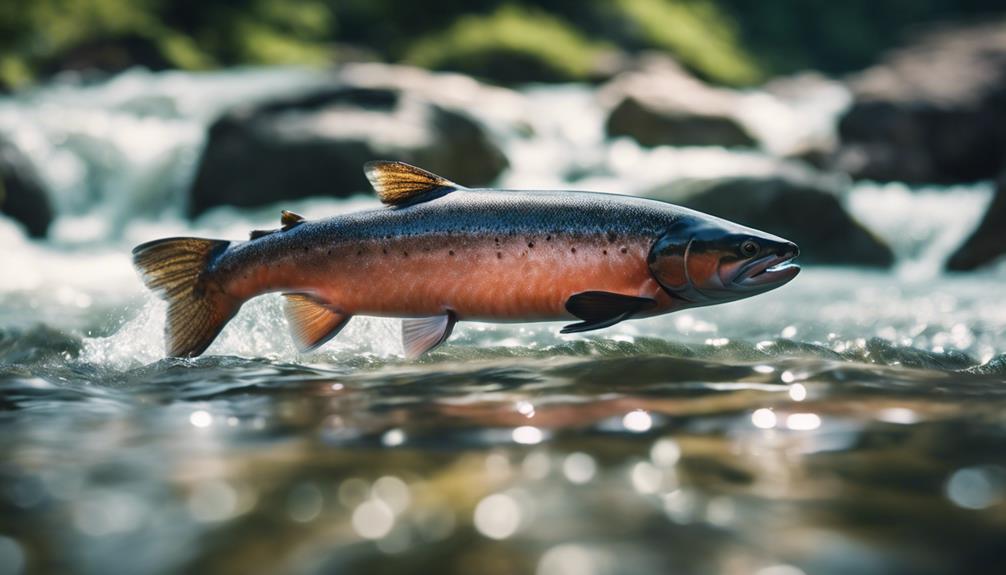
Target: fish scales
485 254
440 253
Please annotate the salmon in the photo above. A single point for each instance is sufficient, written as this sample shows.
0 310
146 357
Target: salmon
439 253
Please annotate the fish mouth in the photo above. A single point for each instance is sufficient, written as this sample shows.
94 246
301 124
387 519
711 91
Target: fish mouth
768 272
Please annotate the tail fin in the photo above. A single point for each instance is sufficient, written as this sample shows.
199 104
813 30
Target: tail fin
173 268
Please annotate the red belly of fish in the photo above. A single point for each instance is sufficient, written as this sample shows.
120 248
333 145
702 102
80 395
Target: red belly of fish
477 279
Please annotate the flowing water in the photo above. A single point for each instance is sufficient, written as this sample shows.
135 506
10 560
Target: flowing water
850 422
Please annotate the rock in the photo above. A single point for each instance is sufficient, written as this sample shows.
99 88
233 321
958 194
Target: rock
807 213
932 112
315 144
661 104
23 197
988 242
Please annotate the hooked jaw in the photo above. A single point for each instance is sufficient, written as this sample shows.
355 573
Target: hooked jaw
769 271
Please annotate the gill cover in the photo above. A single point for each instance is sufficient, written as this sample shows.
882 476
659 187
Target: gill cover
668 260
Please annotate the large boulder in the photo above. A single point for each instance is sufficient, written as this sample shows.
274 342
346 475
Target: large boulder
315 144
988 242
932 112
662 104
804 212
23 197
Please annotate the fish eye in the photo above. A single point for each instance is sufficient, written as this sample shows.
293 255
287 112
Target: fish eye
749 248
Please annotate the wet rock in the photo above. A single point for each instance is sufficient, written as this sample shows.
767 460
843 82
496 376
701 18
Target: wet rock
314 144
22 194
932 112
661 104
805 212
988 242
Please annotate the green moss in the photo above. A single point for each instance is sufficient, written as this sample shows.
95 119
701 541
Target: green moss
183 52
261 44
513 44
262 31
698 33
14 72
59 24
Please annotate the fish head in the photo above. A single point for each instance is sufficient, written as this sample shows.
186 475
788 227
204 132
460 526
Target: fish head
703 260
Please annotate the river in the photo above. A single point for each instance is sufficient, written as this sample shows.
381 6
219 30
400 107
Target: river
851 421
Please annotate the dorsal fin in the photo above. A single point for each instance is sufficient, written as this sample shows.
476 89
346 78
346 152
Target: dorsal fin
398 183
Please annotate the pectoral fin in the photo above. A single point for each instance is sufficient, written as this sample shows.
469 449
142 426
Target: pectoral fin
312 322
599 309
423 334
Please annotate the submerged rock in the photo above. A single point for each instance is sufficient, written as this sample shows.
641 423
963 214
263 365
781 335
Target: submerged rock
807 213
932 112
315 144
988 242
22 194
661 104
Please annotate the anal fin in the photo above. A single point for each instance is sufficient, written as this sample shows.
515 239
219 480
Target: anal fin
420 335
312 322
600 309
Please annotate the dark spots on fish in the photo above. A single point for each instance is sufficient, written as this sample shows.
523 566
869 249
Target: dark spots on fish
499 255
305 249
530 244
450 253
387 237
624 250
384 251
497 240
548 238
405 254
605 252
359 253
612 236
328 252
572 250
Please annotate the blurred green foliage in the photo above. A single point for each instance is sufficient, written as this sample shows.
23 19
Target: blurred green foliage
840 36
698 33
512 44
37 36
734 42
